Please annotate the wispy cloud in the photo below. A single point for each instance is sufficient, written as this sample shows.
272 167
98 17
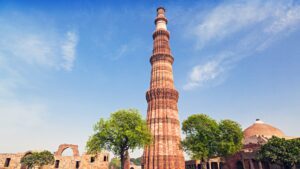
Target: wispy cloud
120 51
286 20
26 47
203 73
209 71
69 50
35 44
246 27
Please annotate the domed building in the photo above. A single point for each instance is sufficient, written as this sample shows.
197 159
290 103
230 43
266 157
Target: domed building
259 128
254 137
259 133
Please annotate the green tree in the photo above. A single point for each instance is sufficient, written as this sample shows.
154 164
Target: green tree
136 161
281 151
38 159
206 138
115 163
124 130
231 136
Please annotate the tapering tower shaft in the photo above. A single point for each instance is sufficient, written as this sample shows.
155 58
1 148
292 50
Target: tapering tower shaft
162 98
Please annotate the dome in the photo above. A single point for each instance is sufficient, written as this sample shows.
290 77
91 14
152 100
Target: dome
260 128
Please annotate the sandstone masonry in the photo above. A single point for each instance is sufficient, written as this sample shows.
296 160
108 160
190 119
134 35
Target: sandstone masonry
162 98
85 161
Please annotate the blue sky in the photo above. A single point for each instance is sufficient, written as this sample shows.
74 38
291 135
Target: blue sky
65 64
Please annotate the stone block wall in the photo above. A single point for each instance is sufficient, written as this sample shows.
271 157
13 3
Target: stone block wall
85 161
14 162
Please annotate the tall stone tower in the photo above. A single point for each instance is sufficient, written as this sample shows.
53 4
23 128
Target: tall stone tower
162 98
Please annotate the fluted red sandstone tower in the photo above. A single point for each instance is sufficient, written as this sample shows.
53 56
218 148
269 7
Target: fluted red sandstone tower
162 97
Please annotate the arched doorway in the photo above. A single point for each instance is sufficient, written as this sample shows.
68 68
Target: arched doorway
239 165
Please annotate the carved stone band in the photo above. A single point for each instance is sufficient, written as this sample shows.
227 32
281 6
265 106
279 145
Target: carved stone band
161 32
161 56
162 93
166 137
163 120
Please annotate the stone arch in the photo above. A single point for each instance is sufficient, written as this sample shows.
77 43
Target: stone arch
63 147
67 152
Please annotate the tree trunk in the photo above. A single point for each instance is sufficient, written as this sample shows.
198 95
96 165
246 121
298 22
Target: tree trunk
203 163
122 156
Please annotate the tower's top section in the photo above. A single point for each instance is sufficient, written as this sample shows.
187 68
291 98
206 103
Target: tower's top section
161 10
160 20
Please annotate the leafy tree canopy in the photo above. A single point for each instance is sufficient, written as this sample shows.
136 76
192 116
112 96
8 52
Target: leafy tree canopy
38 159
206 138
124 130
281 151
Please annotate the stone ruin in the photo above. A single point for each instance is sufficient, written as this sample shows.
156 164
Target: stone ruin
76 161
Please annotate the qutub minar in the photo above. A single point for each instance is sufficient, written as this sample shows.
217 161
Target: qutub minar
162 119
162 98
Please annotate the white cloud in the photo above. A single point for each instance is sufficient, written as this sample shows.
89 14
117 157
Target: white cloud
245 27
201 74
25 51
31 48
287 20
227 19
69 50
37 44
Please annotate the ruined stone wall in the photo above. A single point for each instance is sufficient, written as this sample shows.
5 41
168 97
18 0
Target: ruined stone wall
14 162
85 161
